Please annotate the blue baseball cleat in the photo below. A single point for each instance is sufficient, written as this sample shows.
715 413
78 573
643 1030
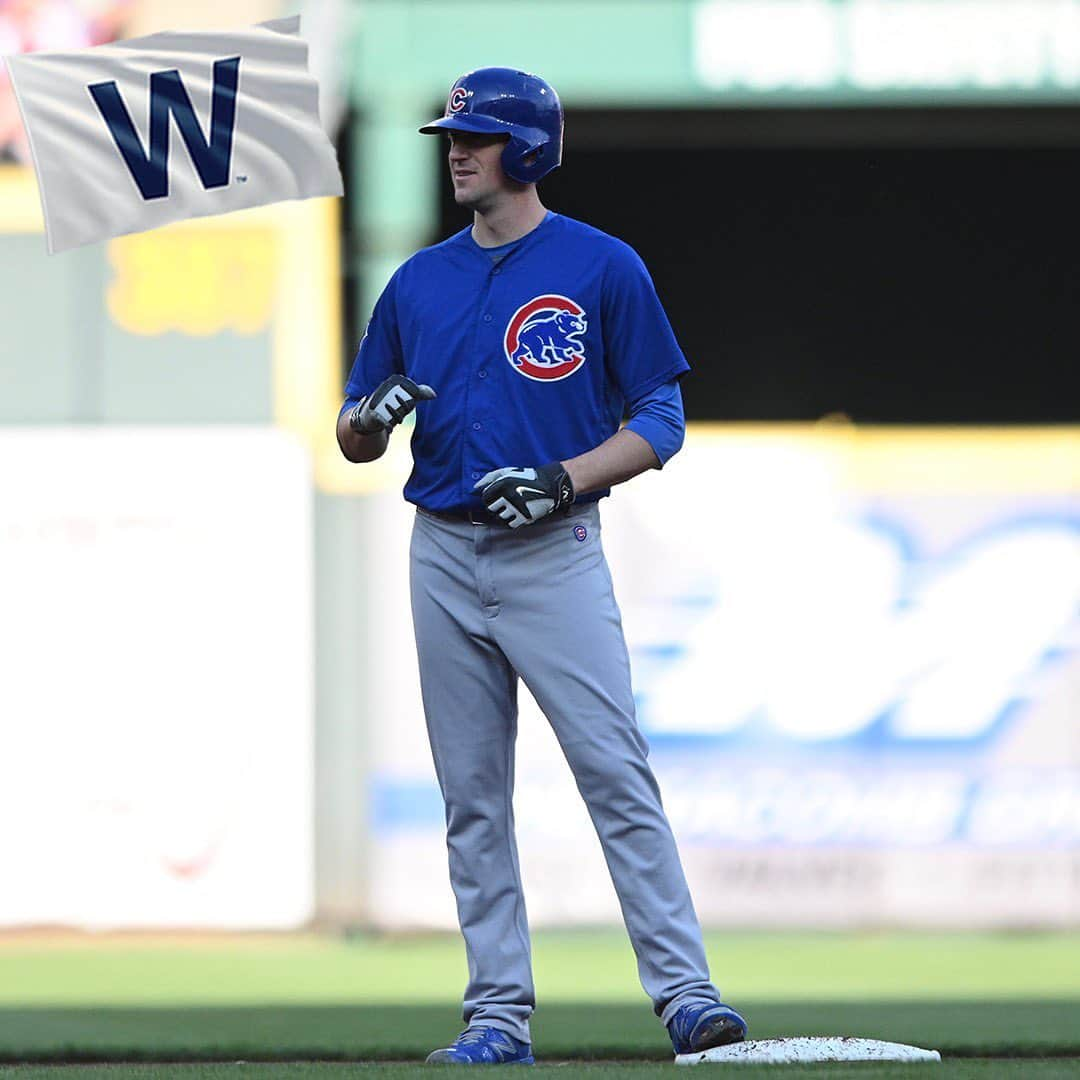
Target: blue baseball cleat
483 1046
703 1025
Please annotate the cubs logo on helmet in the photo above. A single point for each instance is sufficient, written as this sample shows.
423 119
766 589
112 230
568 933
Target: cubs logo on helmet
457 100
543 338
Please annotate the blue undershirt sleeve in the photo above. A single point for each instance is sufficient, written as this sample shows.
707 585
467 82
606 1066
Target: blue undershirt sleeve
657 416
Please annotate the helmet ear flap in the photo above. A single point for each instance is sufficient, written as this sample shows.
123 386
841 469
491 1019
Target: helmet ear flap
526 160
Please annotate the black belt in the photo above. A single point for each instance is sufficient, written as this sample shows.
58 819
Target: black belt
472 517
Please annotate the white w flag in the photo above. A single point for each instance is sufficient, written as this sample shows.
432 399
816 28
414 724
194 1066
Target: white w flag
135 134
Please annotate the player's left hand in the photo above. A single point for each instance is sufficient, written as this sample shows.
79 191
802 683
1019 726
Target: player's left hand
521 496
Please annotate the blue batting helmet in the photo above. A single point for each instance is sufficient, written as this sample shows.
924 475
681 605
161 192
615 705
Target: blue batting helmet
502 101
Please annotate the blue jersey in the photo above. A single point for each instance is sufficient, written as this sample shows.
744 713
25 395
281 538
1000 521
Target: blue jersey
533 358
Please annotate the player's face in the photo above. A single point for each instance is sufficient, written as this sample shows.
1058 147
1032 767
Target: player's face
476 168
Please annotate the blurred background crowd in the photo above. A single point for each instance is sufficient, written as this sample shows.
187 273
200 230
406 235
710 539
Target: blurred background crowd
50 26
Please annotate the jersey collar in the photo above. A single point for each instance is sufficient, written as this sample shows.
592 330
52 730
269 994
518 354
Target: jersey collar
520 244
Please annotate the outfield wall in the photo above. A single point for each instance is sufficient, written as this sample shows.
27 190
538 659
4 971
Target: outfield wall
857 667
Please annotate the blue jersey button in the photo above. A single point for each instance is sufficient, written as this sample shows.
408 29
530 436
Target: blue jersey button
476 476
482 373
476 426
487 318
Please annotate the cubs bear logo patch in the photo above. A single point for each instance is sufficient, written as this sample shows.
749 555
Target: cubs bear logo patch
543 338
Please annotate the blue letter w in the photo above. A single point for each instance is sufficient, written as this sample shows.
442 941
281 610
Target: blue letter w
168 95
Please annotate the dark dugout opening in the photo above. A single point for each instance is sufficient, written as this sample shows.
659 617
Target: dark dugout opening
891 265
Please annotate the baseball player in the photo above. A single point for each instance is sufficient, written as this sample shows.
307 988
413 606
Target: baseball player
521 342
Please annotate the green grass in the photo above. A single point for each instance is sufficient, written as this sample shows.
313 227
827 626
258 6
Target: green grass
596 1031
580 966
309 1006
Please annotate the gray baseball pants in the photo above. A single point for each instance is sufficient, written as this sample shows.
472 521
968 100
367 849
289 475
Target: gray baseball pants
491 604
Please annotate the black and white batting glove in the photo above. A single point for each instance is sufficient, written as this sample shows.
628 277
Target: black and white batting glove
389 404
521 496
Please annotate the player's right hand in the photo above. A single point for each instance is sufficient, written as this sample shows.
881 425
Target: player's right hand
389 404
